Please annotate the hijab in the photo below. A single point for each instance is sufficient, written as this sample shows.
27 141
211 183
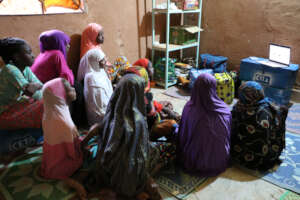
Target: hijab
204 96
89 63
54 40
124 142
97 85
143 62
204 130
89 38
142 72
251 95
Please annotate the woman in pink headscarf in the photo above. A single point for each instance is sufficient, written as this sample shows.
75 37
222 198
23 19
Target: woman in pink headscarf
62 154
92 37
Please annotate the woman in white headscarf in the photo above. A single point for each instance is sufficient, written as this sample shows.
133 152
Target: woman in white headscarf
97 85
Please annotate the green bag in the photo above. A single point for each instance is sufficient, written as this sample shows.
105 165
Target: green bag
159 71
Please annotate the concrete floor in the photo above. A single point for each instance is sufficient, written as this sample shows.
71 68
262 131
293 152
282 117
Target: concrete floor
233 184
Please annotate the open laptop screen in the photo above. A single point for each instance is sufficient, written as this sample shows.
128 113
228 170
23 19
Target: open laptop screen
280 54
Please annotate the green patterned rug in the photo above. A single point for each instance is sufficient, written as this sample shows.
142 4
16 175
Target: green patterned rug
290 196
20 180
178 183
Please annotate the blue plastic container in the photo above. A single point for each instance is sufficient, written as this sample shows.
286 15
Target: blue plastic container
280 96
276 77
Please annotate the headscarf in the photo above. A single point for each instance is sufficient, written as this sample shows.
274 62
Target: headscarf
88 38
204 130
97 86
204 95
124 142
58 126
54 40
258 131
89 63
251 94
140 71
143 62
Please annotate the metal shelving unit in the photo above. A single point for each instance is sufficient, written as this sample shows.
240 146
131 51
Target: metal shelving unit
167 48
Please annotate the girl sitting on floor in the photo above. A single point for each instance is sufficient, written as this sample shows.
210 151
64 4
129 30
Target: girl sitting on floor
204 130
62 154
126 158
97 86
92 37
52 61
21 107
258 129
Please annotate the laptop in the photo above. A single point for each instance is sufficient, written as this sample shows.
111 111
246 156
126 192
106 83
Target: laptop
279 56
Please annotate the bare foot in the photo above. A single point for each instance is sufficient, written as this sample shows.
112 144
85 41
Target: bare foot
78 187
152 190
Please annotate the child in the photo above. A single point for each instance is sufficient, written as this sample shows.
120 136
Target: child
97 86
62 154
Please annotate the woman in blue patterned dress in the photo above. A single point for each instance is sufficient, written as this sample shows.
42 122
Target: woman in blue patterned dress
258 129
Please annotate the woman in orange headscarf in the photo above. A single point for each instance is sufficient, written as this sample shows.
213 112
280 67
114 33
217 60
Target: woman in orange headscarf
92 37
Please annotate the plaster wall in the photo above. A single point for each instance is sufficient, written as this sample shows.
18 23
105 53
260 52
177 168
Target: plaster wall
233 28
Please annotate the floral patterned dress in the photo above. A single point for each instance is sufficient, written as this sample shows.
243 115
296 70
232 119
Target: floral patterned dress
258 129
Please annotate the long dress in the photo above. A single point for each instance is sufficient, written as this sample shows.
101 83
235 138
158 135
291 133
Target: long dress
18 111
204 130
97 86
62 154
125 156
258 129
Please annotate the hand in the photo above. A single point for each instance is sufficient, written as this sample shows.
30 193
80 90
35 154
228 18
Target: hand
94 130
33 87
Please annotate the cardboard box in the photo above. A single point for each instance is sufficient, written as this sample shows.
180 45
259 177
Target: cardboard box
181 35
276 77
186 4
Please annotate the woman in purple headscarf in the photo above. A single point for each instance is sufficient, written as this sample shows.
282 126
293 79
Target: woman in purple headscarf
51 62
204 130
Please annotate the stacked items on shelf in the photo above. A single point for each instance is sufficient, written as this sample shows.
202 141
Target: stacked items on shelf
186 4
277 81
183 35
159 72
182 70
178 37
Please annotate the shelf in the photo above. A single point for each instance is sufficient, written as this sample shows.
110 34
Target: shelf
163 47
163 84
173 47
156 10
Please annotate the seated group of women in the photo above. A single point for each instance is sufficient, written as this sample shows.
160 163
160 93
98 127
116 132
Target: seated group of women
125 121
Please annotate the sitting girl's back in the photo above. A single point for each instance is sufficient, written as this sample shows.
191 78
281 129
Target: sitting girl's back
62 153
